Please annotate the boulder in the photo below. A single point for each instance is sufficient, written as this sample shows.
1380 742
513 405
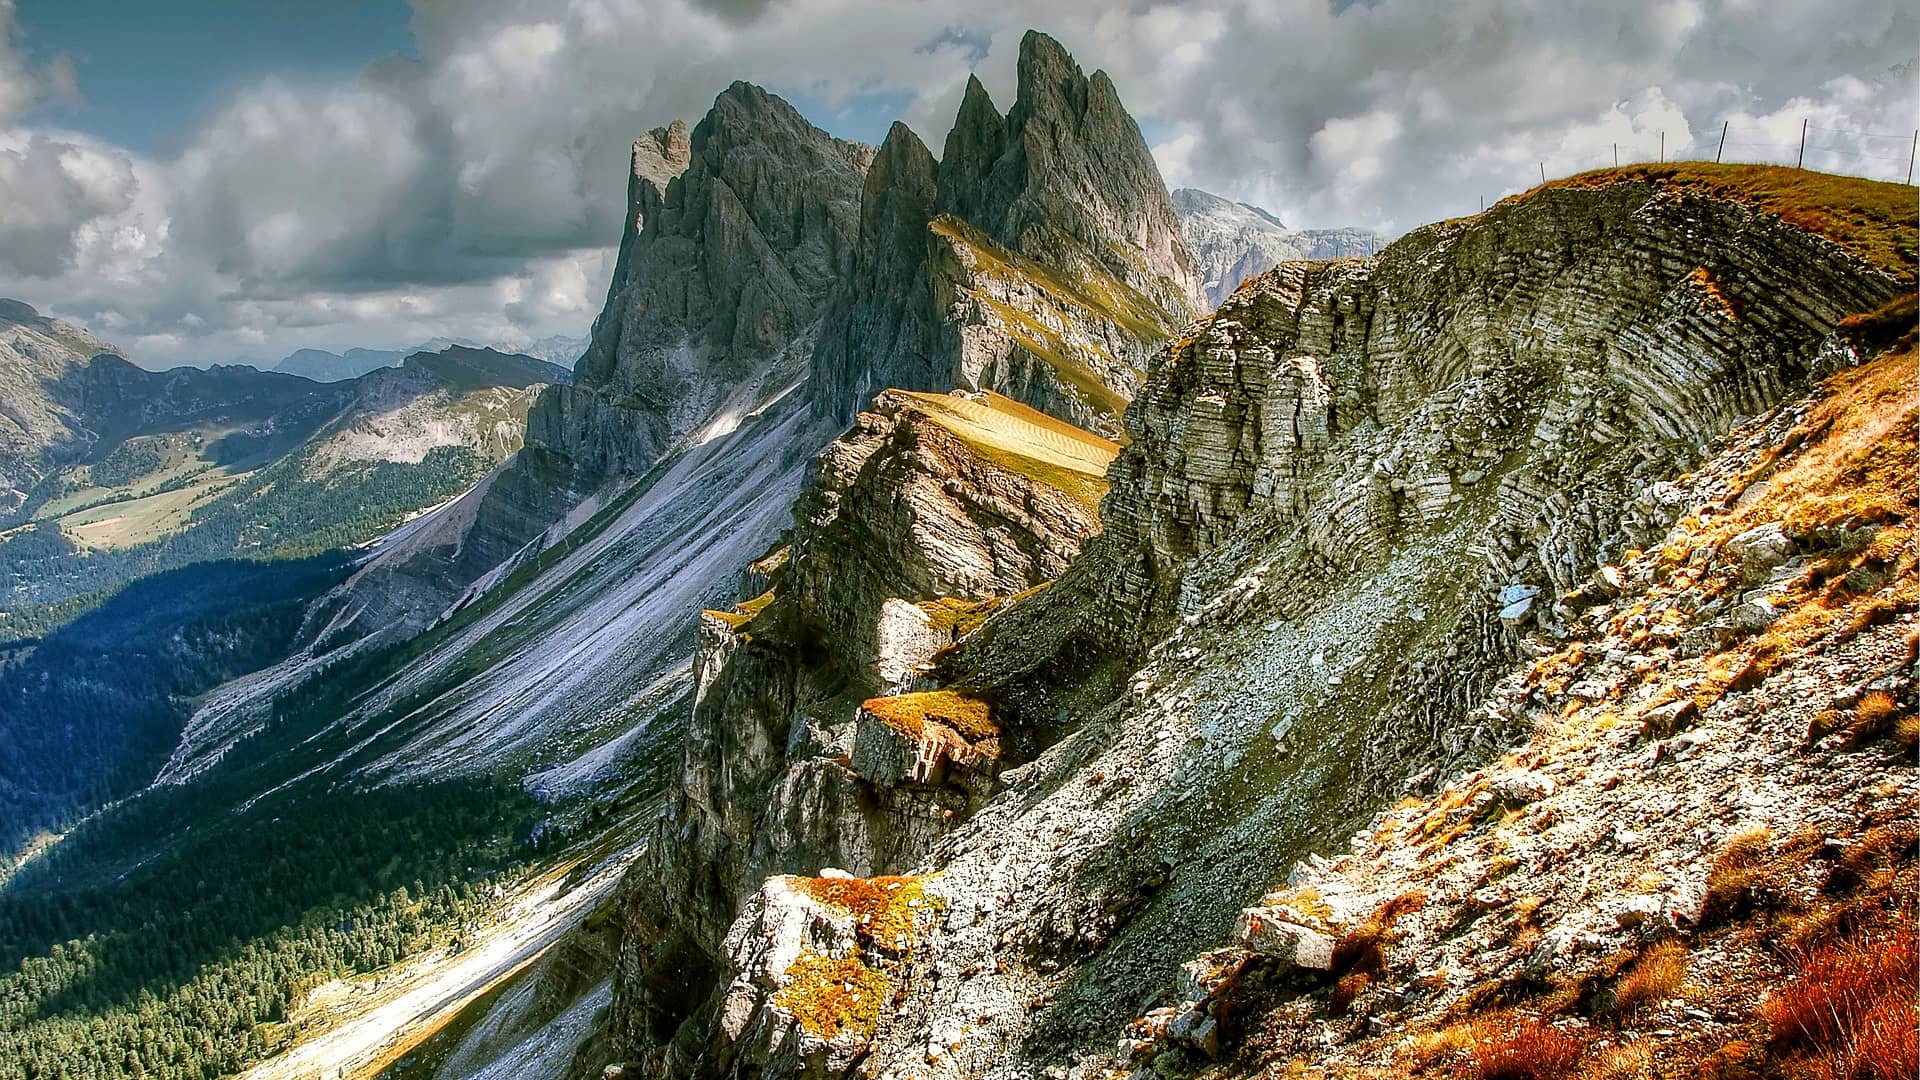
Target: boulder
1263 930
1758 550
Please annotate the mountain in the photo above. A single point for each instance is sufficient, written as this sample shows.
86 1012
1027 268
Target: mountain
1233 241
144 474
558 349
916 645
71 399
1039 257
539 631
1373 522
323 366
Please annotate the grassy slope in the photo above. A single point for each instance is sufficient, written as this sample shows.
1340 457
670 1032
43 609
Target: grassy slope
1871 219
1098 296
1025 441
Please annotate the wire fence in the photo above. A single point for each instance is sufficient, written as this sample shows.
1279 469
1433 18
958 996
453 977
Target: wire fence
1875 155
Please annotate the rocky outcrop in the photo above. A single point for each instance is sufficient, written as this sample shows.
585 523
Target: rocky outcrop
1040 257
933 511
1233 241
721 268
1351 503
1672 770
935 495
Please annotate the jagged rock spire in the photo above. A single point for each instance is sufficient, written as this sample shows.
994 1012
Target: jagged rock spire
1049 257
728 257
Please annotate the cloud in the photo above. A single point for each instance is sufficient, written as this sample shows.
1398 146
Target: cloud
51 194
478 188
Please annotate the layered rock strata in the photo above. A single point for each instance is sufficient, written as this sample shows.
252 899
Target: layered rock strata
1349 503
932 509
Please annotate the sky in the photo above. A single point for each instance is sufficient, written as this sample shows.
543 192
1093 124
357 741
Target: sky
206 180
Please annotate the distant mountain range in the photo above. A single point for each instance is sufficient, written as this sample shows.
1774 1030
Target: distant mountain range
144 471
321 365
1233 241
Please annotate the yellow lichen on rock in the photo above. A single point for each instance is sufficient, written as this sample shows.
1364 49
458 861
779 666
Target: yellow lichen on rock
831 997
884 908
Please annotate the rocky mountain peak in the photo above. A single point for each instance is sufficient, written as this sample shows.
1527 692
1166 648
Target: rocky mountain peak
721 269
1068 157
1045 265
662 154
894 202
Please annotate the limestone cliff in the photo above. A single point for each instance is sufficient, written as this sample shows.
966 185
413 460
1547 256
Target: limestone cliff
722 267
931 513
735 232
1351 503
1040 257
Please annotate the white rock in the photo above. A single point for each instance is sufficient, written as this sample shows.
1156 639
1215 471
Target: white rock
1265 931
1522 787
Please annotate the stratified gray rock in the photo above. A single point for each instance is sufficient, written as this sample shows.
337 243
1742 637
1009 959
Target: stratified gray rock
722 268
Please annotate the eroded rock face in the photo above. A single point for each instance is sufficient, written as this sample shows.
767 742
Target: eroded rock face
910 507
902 507
1332 491
1550 361
723 265
1039 257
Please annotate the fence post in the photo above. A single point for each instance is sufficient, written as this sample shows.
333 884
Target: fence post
1543 172
1911 154
1723 142
1663 146
1802 163
1616 155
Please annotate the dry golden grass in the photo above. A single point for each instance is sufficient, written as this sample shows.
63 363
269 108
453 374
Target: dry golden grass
1872 220
743 612
959 617
1656 976
1849 465
1851 1010
1522 1048
1024 441
1634 1061
968 717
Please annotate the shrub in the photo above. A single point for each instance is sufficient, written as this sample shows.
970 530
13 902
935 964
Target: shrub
1731 879
1873 718
1851 1010
1656 976
1526 1049
1348 988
